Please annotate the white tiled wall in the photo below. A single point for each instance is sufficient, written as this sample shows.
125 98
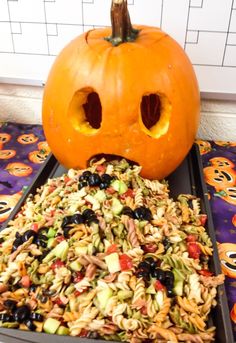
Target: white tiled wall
23 104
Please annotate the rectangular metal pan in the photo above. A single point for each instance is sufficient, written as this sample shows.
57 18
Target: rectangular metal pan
188 179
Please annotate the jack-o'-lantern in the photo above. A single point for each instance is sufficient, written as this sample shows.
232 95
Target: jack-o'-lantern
19 169
4 137
222 162
227 254
7 154
29 138
219 178
7 203
38 156
204 146
228 194
125 91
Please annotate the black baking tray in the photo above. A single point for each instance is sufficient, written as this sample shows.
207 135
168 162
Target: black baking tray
188 179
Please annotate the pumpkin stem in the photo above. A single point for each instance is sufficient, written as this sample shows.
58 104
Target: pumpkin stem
122 29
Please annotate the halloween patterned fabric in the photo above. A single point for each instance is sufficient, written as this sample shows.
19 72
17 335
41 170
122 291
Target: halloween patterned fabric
22 151
219 162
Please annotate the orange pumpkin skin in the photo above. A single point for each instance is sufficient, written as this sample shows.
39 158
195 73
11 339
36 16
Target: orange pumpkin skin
121 76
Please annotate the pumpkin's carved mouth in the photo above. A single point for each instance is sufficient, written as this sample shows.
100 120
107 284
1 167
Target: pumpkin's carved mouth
108 158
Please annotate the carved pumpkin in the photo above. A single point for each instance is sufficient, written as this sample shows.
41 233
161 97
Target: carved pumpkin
222 162
7 203
38 156
204 146
4 137
227 254
7 154
19 169
29 138
133 94
219 178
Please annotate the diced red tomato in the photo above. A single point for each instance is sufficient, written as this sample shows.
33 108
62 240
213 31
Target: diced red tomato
66 179
128 193
151 247
159 286
77 293
125 262
57 264
110 190
51 189
52 212
144 310
203 219
60 238
193 250
83 333
35 227
112 248
79 276
100 168
205 272
25 281
58 301
191 238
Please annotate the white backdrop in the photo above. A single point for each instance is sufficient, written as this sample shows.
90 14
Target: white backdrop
32 32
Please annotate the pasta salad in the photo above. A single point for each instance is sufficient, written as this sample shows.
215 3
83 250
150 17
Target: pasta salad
105 253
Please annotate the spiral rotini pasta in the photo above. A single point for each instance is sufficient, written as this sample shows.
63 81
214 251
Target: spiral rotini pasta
119 260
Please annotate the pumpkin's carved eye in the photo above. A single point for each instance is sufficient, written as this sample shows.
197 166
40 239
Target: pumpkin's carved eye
85 111
155 111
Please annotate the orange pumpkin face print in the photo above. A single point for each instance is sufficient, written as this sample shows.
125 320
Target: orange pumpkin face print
43 146
4 138
7 154
7 203
221 162
19 169
225 143
228 194
29 138
219 178
94 104
204 146
38 156
227 254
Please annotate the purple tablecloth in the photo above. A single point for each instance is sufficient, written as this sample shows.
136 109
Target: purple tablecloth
23 148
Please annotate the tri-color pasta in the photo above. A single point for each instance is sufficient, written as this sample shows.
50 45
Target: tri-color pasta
104 253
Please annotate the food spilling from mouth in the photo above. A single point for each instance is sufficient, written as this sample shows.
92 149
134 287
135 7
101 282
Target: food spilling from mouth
105 253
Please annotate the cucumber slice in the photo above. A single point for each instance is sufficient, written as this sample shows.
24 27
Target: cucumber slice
75 266
51 233
116 206
100 196
113 262
81 251
103 297
61 250
51 325
62 330
119 186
